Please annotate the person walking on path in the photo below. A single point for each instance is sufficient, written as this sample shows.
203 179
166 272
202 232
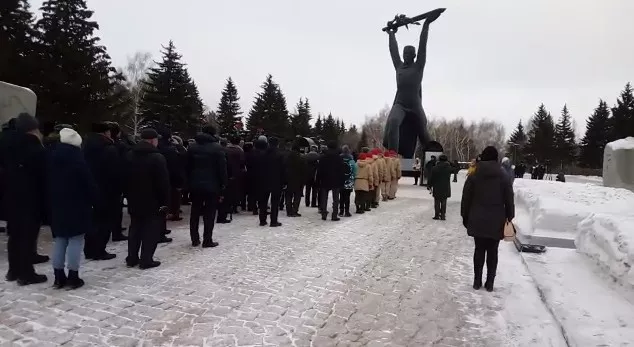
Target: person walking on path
440 186
207 176
25 161
148 190
487 205
72 196
416 167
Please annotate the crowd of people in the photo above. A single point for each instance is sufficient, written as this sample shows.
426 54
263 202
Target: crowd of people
79 186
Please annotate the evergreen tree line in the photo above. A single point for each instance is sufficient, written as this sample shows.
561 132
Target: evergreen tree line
553 143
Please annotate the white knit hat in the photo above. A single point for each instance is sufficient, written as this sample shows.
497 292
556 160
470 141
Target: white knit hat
70 136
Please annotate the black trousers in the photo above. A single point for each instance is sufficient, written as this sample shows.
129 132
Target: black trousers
144 235
205 205
106 221
311 194
293 199
440 207
485 248
323 201
175 201
263 200
22 241
119 218
344 200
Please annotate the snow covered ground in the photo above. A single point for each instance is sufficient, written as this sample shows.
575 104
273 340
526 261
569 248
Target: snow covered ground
590 290
392 277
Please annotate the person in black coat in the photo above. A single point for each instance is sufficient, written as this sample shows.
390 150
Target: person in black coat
236 167
270 179
312 159
330 178
244 197
123 148
487 204
72 195
254 158
25 163
440 185
207 177
147 189
104 161
296 177
176 173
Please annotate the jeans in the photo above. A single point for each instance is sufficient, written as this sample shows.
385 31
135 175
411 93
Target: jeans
440 207
205 205
323 201
485 248
67 249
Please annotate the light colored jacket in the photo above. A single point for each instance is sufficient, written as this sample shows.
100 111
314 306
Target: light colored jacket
362 180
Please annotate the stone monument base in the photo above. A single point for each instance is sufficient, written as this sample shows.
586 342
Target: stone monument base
618 164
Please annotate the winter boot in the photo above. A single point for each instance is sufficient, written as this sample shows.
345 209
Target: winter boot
74 281
489 283
477 280
347 214
60 278
324 216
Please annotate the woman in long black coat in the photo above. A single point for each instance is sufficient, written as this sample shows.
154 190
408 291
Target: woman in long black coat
72 194
487 204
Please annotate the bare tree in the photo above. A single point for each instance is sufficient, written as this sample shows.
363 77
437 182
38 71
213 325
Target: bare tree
135 73
374 126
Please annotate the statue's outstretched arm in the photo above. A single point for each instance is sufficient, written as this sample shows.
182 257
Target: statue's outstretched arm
396 56
422 45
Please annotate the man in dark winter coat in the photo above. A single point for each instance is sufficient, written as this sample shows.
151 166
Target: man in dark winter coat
176 172
123 148
25 161
105 164
487 204
148 189
296 177
312 159
330 178
207 177
236 167
440 185
252 158
428 168
270 179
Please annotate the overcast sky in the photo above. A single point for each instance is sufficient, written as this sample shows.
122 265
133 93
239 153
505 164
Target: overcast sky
495 59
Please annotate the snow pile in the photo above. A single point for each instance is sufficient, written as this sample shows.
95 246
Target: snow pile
551 206
618 164
609 241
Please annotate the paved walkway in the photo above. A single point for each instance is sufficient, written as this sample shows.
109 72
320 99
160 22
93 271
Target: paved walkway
392 277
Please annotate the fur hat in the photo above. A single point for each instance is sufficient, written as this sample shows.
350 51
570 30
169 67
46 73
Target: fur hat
149 134
26 123
100 127
70 136
489 154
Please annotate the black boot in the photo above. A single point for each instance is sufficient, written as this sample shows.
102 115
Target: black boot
324 216
60 278
347 214
489 283
74 281
335 218
477 280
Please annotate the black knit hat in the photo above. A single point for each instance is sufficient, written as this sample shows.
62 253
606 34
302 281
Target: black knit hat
149 134
489 154
100 127
25 123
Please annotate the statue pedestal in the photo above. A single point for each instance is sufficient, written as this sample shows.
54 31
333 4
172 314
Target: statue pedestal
618 164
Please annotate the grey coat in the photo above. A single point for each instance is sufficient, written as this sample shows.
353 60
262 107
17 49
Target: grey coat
487 201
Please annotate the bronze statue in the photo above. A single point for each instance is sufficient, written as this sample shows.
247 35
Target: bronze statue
407 122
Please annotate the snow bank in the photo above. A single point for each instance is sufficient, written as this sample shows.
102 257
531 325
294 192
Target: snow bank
618 164
551 206
609 241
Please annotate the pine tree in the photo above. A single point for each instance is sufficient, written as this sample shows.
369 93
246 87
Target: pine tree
565 143
541 143
623 115
318 131
363 142
19 51
597 136
77 81
269 111
331 129
342 128
172 97
229 109
517 142
300 121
